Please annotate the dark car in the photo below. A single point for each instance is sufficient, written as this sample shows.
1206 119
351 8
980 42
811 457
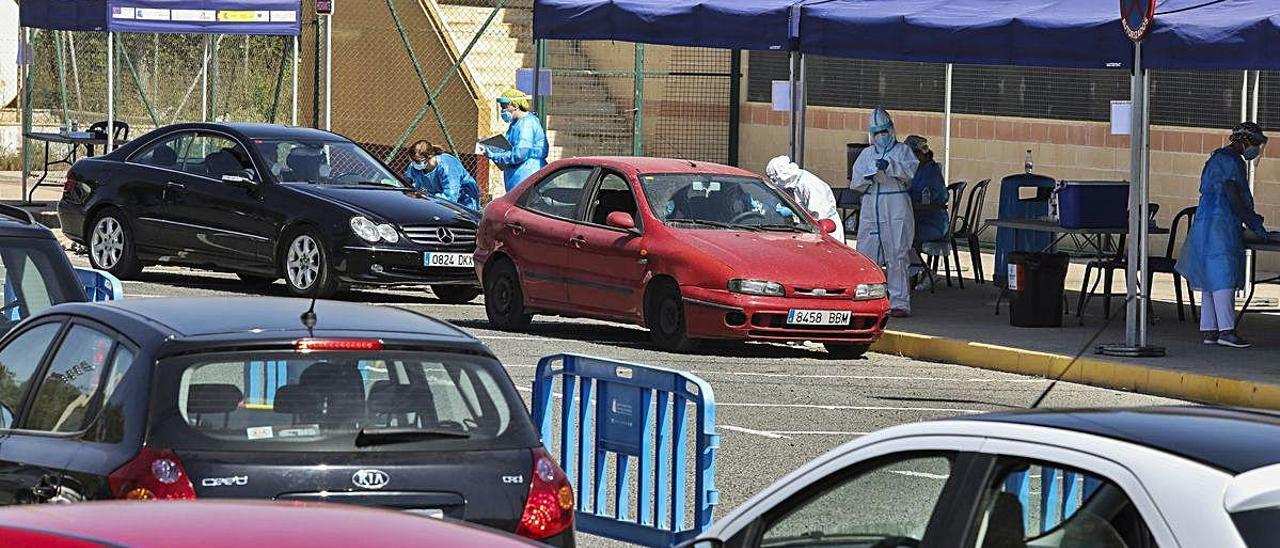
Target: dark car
159 399
266 202
34 272
225 524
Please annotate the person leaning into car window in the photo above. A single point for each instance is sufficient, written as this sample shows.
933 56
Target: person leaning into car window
439 174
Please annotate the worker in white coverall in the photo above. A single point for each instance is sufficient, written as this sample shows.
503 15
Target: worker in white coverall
809 191
883 173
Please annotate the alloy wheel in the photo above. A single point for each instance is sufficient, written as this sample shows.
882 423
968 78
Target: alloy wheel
107 243
303 262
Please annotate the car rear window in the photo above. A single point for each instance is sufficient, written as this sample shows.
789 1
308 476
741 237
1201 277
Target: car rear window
338 401
1257 527
34 275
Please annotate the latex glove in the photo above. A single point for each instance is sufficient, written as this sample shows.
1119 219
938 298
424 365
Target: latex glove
482 150
882 164
783 210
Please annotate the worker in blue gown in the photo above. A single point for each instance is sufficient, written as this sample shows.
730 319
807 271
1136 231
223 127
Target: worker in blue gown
528 140
1212 260
439 174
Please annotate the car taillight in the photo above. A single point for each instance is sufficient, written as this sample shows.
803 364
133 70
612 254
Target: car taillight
549 510
312 345
155 474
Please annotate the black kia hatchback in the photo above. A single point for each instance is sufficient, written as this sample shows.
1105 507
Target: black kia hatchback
266 202
237 398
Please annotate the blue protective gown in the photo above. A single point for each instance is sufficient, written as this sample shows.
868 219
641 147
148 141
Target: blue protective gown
1213 257
528 152
931 224
448 181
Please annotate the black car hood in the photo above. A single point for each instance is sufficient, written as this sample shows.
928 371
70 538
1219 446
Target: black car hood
402 207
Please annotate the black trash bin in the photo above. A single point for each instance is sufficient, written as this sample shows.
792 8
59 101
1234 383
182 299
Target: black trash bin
1036 283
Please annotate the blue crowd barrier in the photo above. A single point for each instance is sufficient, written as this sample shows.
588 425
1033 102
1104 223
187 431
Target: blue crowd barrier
624 410
100 286
1058 501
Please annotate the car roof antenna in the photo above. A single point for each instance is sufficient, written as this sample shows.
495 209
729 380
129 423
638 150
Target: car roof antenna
309 319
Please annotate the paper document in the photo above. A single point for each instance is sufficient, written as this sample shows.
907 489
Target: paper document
497 141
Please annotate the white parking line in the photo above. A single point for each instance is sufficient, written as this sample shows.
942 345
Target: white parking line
761 433
919 474
862 377
847 407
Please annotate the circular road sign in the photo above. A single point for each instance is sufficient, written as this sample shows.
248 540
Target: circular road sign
1137 17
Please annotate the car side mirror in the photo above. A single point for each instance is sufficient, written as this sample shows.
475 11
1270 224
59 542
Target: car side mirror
242 179
828 226
621 219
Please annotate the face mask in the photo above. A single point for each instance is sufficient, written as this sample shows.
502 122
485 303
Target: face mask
420 166
506 116
1252 153
883 140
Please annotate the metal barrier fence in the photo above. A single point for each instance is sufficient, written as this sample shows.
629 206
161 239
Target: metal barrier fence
99 286
618 411
1061 494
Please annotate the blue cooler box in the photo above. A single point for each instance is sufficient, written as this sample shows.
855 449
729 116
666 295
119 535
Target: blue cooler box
1093 204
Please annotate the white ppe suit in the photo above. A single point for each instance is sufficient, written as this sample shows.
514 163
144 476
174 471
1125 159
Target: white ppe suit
886 226
809 191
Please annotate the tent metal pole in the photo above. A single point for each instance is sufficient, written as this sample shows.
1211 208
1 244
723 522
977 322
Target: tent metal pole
111 92
791 106
1136 207
204 83
328 71
293 115
24 99
946 127
1244 98
1144 207
799 109
215 58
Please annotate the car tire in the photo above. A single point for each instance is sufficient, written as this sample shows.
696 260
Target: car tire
256 280
846 351
111 244
455 294
665 318
305 263
504 298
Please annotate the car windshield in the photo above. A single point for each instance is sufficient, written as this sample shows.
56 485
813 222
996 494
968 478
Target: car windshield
35 275
706 201
335 401
324 162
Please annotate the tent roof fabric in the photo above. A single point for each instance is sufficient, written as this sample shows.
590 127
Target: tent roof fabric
732 24
259 17
1188 34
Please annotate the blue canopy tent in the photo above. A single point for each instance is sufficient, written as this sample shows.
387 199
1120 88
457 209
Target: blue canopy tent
243 17
1187 34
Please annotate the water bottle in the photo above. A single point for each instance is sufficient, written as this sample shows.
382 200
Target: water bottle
1028 165
62 128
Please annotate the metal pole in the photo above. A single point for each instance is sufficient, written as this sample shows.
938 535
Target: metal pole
801 108
213 79
946 127
293 115
1144 200
111 92
539 62
59 46
793 65
637 104
735 104
24 98
1136 206
1244 98
328 71
204 83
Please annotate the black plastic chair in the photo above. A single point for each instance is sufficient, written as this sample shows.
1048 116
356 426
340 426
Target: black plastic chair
955 191
121 132
969 226
1107 268
1167 263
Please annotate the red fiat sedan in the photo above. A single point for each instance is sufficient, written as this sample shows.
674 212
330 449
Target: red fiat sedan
690 250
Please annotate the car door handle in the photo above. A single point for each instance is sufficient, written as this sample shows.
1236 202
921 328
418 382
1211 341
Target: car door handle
175 186
578 241
516 228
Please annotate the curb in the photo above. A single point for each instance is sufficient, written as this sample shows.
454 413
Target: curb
1091 371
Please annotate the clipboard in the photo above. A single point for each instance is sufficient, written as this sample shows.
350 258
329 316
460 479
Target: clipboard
498 141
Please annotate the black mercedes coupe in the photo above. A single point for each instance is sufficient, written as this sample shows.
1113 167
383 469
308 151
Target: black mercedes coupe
266 202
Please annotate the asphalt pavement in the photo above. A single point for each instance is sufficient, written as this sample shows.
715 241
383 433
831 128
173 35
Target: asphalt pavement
779 406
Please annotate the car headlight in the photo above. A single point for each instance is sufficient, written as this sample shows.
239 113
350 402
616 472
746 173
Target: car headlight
870 292
364 228
756 287
388 233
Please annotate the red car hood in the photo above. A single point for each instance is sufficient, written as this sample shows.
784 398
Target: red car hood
787 258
